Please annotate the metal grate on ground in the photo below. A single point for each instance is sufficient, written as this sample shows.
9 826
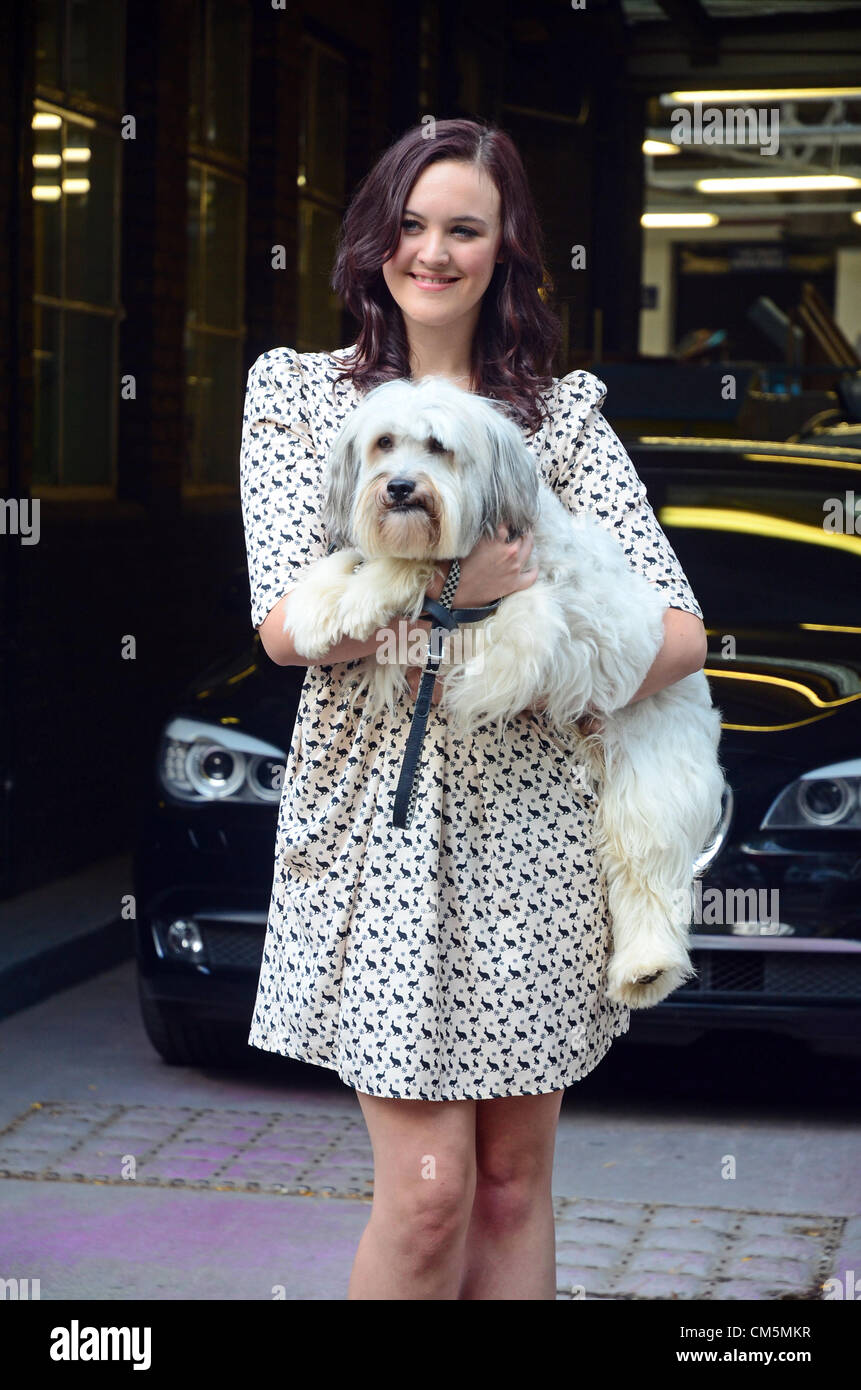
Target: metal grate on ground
605 1249
184 1146
625 1250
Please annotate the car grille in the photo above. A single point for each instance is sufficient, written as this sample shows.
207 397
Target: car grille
826 976
232 947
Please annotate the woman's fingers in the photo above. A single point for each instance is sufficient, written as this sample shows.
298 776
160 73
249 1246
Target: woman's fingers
527 577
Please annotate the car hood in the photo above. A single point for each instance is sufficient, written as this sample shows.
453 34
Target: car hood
250 692
770 684
780 679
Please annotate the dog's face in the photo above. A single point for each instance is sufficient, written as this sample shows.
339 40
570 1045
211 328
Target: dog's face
421 470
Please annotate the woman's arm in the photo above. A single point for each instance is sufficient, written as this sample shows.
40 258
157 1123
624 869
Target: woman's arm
278 644
493 567
684 651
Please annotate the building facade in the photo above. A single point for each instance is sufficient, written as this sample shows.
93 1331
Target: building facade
173 177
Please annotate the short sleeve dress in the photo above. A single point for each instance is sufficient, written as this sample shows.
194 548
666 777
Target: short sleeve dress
465 957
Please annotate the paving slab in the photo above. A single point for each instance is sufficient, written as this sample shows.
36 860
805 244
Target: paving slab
126 1166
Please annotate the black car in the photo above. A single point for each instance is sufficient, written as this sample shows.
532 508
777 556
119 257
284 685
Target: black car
769 536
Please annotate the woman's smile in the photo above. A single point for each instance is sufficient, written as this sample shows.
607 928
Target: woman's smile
432 282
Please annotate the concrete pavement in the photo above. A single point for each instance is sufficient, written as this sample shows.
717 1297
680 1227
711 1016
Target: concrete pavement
123 1178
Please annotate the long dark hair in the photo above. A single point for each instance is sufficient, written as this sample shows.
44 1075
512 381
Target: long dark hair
517 334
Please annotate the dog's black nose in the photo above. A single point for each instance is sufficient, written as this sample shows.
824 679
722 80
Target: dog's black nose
399 489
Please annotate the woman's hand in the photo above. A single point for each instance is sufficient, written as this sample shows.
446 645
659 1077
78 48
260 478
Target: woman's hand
492 569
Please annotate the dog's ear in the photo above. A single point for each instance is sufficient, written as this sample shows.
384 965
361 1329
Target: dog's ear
513 483
343 471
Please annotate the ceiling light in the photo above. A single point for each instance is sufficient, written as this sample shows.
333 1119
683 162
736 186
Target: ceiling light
764 94
46 161
45 120
778 183
76 185
46 192
679 219
76 154
659 147
856 216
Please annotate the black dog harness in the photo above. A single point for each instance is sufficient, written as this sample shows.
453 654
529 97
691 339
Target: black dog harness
447 619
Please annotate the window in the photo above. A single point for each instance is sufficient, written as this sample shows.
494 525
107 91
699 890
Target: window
322 187
79 50
215 327
75 188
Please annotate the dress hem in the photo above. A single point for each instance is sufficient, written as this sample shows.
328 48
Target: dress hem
494 1095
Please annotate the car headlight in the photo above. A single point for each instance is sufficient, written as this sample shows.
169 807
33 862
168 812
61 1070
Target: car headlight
719 834
213 762
827 798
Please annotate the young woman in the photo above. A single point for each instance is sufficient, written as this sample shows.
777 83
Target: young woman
453 974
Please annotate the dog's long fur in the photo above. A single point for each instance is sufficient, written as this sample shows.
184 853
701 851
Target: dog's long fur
580 639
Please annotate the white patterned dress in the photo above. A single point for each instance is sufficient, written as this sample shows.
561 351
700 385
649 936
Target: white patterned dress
464 957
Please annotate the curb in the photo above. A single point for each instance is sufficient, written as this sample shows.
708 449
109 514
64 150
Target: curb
60 934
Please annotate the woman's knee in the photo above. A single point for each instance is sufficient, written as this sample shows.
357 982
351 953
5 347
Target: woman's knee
514 1159
507 1202
433 1212
424 1171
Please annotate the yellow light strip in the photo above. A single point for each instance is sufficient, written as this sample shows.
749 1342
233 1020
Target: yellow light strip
766 94
758 679
679 219
779 183
828 627
757 524
813 627
800 458
660 147
772 728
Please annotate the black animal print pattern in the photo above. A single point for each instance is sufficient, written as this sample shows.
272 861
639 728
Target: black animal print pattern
465 957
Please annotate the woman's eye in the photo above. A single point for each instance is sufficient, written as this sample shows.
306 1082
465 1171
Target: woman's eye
411 222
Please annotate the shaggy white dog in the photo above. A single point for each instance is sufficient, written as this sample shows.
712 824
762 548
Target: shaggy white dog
419 473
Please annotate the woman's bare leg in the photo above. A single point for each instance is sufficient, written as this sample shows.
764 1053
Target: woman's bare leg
511 1241
424 1184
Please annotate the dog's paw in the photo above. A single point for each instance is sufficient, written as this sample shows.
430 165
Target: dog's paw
313 622
363 607
641 986
309 639
311 608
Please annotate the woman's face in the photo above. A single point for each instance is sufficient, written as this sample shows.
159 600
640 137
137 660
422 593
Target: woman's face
451 229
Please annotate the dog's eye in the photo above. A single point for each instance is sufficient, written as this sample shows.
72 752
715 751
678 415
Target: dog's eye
434 446
385 441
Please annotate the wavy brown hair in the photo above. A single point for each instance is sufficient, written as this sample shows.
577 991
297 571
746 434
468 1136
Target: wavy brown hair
517 334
